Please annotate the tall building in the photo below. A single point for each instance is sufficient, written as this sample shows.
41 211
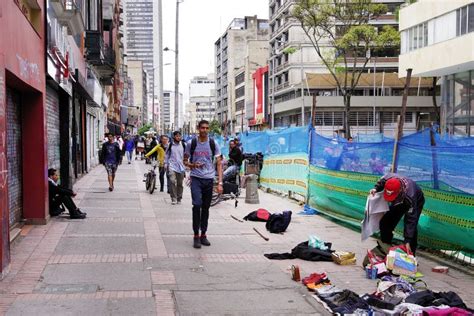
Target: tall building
139 115
139 36
202 99
233 51
168 111
287 69
437 40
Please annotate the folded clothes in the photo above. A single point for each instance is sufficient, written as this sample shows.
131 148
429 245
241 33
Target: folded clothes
314 277
429 298
327 290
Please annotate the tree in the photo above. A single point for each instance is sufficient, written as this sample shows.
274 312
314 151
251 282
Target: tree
215 128
144 128
343 38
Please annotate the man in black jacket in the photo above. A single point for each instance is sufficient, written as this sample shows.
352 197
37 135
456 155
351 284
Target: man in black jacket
59 196
235 158
111 157
406 199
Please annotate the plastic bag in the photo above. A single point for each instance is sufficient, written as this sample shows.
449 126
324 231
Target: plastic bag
315 242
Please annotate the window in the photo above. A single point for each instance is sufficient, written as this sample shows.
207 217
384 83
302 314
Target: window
240 92
240 105
470 23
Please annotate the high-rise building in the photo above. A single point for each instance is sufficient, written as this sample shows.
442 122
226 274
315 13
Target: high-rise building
202 99
139 114
168 111
232 53
287 69
139 36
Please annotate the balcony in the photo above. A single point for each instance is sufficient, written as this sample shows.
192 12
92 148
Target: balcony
99 55
68 14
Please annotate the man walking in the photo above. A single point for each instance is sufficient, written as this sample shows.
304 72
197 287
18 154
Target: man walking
199 157
129 147
174 163
59 196
110 157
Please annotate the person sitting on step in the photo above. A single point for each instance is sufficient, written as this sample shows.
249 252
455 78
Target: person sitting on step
60 197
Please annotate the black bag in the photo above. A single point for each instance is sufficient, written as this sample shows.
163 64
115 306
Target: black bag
260 215
231 188
278 223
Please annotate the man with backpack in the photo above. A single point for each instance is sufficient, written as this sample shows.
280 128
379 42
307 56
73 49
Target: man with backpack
199 156
174 163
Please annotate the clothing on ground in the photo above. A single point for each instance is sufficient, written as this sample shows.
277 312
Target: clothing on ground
304 252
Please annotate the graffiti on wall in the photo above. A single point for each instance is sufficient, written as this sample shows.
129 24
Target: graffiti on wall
3 141
28 70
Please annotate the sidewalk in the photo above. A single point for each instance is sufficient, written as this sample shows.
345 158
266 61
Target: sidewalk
133 255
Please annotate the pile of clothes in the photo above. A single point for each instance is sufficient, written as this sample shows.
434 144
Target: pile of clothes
394 296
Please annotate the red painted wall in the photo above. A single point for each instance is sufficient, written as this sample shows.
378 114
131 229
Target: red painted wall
22 67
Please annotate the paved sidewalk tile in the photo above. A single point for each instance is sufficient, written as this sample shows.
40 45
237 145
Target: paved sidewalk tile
133 255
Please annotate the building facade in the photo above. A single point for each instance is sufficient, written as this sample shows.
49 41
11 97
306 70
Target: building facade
139 26
288 68
137 74
22 115
437 41
240 46
202 99
169 110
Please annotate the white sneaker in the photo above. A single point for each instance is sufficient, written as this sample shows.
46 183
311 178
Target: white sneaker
173 202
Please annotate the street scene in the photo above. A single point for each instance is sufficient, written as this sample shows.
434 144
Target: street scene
271 157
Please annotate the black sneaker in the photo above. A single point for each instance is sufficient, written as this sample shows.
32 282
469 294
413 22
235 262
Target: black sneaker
80 212
204 241
78 216
197 243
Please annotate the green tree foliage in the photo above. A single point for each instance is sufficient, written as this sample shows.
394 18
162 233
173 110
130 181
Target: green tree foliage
343 38
215 128
144 128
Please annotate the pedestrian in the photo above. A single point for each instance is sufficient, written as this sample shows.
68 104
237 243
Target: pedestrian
174 164
235 161
405 199
60 197
164 142
129 147
156 153
199 156
111 158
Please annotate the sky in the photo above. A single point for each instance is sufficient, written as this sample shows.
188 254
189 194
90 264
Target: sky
202 22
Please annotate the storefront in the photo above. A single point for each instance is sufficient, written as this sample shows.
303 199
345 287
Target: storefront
23 127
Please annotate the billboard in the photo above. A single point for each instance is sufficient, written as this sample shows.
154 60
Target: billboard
260 96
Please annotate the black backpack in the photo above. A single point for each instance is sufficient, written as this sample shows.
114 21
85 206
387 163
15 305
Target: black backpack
278 223
212 144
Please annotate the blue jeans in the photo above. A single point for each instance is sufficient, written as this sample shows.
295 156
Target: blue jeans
201 192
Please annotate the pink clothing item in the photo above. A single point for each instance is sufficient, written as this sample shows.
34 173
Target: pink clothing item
452 311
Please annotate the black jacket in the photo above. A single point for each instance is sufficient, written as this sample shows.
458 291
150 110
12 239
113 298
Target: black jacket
236 155
54 192
118 153
412 199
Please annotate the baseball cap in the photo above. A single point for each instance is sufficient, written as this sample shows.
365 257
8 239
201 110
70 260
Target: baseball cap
392 189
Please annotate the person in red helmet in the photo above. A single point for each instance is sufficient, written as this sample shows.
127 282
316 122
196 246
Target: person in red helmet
405 199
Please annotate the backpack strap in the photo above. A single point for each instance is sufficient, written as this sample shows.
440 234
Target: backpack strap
193 148
212 144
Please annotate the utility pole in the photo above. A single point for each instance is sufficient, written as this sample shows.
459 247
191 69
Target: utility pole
176 67
160 65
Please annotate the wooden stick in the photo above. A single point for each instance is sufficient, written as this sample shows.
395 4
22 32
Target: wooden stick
266 238
239 220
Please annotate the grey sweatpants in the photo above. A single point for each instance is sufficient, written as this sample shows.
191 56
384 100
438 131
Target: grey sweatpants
176 185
